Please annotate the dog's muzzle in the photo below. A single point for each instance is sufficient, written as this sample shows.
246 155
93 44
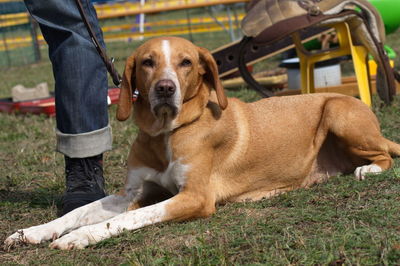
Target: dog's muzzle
165 92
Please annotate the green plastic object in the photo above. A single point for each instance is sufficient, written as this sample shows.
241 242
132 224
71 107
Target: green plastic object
389 10
389 51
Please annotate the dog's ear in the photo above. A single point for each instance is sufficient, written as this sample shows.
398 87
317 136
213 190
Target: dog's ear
210 72
125 96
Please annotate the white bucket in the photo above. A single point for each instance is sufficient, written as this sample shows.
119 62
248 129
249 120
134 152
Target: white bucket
325 74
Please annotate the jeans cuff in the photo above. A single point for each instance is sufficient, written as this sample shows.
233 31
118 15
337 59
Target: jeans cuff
84 144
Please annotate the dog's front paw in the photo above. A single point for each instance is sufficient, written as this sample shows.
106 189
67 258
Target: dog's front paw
31 235
77 239
361 171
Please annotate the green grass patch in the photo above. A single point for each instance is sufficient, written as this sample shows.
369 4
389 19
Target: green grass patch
339 221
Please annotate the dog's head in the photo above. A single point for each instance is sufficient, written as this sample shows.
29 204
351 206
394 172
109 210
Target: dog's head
168 73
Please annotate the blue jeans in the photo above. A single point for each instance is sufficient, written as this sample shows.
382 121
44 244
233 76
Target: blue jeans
80 76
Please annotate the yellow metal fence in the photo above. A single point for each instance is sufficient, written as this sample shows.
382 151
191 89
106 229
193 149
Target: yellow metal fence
118 23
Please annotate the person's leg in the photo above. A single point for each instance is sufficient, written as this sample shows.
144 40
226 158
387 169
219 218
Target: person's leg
83 132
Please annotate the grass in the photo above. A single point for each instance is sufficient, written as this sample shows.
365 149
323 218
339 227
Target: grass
341 221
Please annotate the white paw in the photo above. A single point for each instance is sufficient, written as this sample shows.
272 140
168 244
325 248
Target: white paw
77 239
361 171
31 235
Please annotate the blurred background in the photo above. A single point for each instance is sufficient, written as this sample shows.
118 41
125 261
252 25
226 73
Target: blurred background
204 22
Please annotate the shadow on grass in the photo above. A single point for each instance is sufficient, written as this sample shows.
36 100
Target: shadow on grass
38 198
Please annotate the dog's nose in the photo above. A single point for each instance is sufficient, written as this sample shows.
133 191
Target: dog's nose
165 88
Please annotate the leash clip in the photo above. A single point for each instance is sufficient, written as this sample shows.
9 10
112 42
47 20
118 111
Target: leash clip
114 73
135 94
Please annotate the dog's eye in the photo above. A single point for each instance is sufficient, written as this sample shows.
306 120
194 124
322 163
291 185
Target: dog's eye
148 63
186 62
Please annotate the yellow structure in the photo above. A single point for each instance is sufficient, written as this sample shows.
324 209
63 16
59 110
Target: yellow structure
346 47
373 66
119 32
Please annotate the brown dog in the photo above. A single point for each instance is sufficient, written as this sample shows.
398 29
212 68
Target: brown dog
196 148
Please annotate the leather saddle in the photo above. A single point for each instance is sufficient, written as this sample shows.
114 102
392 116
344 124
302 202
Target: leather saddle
269 23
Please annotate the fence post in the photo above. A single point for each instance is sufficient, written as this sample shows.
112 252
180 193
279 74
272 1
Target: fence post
35 41
6 48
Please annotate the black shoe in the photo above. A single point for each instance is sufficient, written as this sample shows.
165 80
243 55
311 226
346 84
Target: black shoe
84 182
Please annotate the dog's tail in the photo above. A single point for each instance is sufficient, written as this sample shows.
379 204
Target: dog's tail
394 148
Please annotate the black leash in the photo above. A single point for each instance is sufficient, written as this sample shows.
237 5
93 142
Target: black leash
245 72
109 63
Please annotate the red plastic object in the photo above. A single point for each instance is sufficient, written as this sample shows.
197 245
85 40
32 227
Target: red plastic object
42 106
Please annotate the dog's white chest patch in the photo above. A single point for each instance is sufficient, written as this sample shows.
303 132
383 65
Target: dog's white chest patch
172 179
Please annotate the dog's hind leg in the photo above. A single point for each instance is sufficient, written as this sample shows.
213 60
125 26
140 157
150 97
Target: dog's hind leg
91 213
379 155
379 161
358 129
394 148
